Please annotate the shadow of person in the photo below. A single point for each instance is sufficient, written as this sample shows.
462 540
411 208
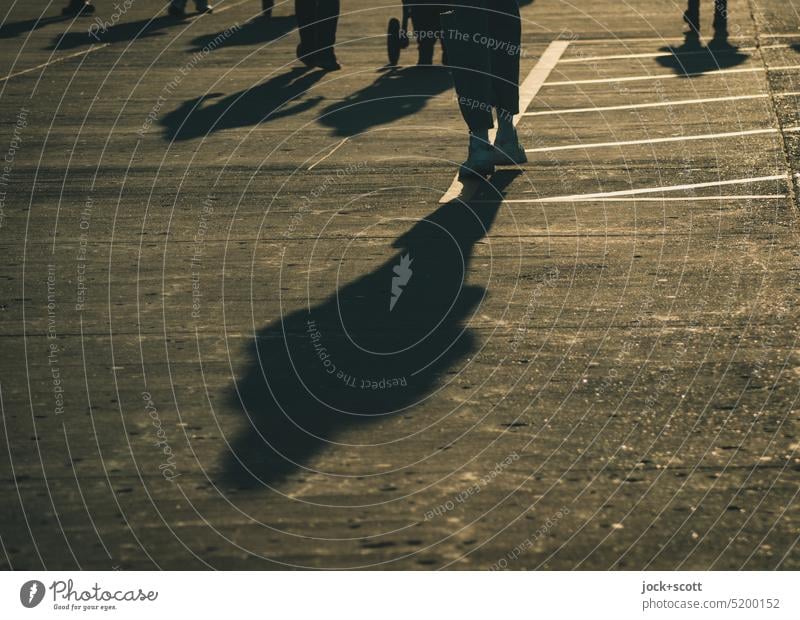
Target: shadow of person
376 347
278 97
396 93
117 33
10 30
253 32
692 59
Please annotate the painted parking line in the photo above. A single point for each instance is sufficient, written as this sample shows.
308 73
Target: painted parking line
55 61
671 76
707 136
652 190
676 52
639 106
527 91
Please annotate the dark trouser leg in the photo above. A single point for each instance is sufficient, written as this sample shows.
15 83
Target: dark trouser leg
720 19
506 30
485 77
328 19
470 62
305 13
425 19
692 16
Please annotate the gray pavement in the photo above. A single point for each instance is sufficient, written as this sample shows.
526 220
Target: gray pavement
592 365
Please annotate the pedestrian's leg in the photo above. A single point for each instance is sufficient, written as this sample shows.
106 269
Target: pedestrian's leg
327 20
720 20
425 19
305 14
470 64
505 32
266 8
692 17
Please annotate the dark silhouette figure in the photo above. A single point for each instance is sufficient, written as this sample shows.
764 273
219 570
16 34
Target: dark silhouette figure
253 32
427 28
395 94
317 21
276 98
117 33
692 59
14 29
692 18
376 347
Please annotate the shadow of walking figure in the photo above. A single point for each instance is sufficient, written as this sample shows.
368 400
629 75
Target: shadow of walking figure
395 94
252 32
692 58
376 347
278 97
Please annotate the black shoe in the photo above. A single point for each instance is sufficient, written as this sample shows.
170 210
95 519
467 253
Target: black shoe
327 61
176 11
203 7
306 57
78 7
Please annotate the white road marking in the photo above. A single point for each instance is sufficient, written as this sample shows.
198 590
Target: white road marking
527 91
708 136
93 48
650 190
638 106
663 54
331 152
670 76
669 199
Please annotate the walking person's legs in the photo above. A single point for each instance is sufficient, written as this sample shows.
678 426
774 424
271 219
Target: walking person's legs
316 22
720 21
427 29
692 18
479 34
505 29
327 22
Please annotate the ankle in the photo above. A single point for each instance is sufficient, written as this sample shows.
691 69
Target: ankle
506 132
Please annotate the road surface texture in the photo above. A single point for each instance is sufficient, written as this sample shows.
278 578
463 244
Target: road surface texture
244 327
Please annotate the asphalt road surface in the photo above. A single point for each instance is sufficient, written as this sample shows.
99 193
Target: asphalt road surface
244 326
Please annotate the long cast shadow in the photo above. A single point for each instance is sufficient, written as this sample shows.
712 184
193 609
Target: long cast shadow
117 33
14 29
375 347
693 59
395 94
274 99
253 32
